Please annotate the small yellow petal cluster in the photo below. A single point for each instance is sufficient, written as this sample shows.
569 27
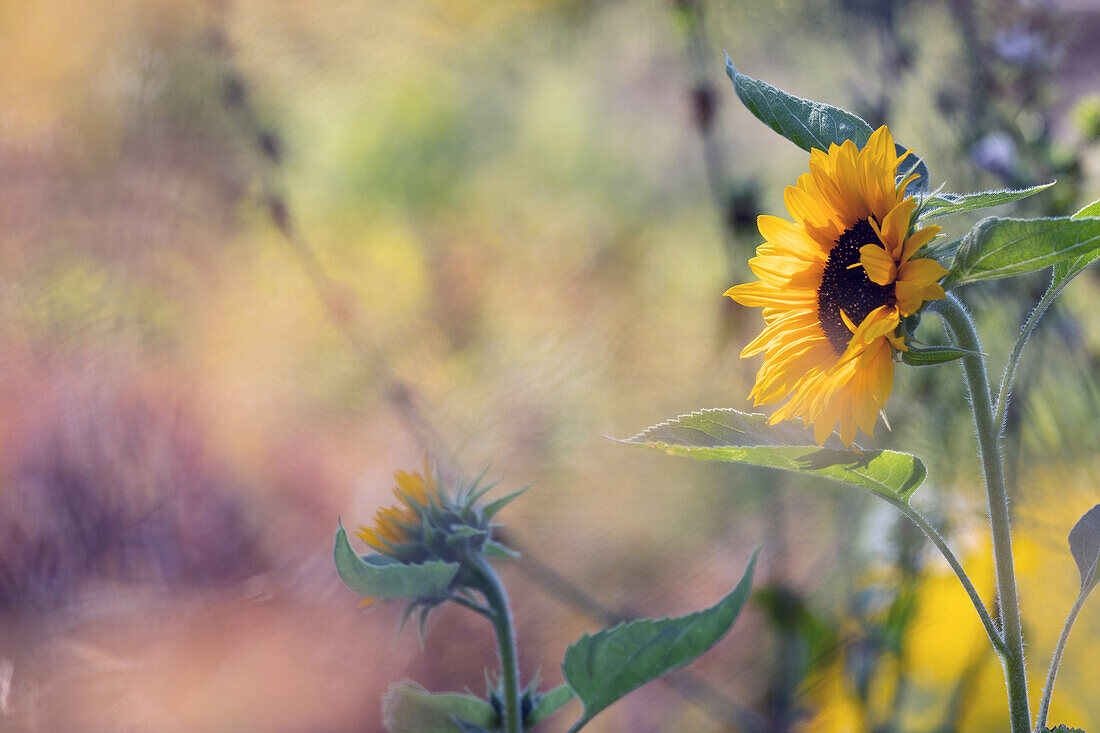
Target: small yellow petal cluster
392 524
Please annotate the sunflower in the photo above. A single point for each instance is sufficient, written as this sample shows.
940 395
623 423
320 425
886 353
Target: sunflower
834 285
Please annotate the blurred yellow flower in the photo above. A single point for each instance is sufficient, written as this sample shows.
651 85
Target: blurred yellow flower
834 285
416 492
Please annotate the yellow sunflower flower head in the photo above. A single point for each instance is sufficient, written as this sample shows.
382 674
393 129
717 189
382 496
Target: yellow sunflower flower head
834 285
430 523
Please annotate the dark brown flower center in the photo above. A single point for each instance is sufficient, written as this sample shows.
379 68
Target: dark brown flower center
848 288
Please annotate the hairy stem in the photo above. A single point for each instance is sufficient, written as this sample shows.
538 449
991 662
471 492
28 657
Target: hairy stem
1056 661
501 617
962 332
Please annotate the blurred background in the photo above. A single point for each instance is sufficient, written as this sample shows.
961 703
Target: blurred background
256 256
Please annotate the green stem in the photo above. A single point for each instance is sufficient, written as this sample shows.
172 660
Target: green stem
1056 661
1009 375
930 532
501 617
962 331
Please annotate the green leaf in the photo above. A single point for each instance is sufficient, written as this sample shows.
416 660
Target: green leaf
409 708
604 667
1064 729
946 204
931 355
739 437
550 703
810 124
1084 545
1092 209
1066 270
998 248
381 577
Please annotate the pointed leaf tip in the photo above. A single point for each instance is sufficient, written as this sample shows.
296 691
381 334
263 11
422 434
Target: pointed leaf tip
603 667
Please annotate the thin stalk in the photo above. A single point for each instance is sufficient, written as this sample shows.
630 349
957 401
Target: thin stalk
1009 376
961 329
1056 661
506 642
930 532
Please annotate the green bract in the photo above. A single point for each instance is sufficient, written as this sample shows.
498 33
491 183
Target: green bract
382 577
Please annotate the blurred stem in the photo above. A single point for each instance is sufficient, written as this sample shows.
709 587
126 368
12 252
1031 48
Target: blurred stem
1056 660
930 532
961 329
1004 394
490 585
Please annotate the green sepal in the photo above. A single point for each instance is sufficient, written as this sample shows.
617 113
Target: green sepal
477 492
932 355
603 667
549 703
946 204
375 576
409 708
999 248
458 535
492 548
810 124
739 437
490 509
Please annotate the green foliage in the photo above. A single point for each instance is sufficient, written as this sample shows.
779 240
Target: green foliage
1064 729
739 437
810 124
998 248
409 708
946 204
1084 545
1066 270
932 355
604 667
376 576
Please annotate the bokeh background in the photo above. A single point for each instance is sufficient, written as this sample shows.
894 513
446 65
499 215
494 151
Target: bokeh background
257 255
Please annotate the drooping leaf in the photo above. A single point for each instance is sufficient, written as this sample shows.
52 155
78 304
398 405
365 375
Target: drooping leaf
381 577
810 124
739 437
931 355
946 204
1084 545
550 703
998 248
604 667
409 708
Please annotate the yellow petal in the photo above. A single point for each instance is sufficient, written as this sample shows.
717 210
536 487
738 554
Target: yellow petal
921 272
880 266
919 238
